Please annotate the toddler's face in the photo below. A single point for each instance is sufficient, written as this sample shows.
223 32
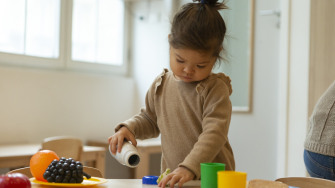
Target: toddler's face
191 65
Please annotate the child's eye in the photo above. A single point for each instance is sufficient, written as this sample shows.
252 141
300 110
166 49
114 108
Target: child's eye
201 66
180 61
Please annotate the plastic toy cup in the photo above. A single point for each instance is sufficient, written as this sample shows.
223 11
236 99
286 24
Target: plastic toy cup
232 179
209 174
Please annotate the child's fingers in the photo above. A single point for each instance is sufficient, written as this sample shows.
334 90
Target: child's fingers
120 143
110 139
110 143
113 144
165 180
181 182
175 179
133 140
128 135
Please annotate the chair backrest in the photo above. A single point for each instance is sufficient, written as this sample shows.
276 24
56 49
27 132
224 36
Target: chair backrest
259 183
25 171
64 146
307 182
94 172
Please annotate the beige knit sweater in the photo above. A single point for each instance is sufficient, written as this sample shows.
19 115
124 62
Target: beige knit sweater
321 129
192 118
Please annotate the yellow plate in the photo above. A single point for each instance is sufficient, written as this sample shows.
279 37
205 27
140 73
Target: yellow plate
86 182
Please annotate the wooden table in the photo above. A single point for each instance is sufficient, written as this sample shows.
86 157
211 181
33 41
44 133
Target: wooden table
145 149
128 183
16 156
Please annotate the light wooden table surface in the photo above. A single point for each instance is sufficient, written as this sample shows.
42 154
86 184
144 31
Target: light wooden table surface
17 156
127 183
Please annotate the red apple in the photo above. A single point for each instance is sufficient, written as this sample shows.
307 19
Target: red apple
14 180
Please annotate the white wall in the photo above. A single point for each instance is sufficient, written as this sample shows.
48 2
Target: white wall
38 103
149 47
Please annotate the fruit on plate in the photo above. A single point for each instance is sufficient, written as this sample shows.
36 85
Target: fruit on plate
14 180
40 161
65 171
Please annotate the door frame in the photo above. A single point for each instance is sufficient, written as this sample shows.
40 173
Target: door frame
293 87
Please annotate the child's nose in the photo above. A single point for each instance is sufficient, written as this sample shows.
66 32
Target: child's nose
188 69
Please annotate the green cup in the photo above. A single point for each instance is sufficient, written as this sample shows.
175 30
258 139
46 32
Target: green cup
209 174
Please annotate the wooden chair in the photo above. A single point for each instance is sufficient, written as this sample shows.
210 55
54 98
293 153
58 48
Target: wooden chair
259 183
64 146
94 172
307 182
24 170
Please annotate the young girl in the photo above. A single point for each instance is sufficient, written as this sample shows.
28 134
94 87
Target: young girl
189 105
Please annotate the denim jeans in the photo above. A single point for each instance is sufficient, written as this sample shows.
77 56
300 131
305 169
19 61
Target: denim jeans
320 166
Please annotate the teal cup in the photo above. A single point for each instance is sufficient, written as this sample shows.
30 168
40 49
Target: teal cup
209 174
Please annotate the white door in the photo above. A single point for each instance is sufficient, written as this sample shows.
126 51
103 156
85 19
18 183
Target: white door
254 135
294 75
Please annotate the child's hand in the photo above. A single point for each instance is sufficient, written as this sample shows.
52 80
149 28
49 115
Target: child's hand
180 175
116 141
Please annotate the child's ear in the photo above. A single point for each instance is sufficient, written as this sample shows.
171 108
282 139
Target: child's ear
169 36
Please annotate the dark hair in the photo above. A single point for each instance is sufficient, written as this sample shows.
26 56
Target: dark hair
199 26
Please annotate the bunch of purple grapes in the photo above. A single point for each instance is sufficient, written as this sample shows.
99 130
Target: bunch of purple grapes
65 171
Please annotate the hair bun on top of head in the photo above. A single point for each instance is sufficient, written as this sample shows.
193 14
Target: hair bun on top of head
210 2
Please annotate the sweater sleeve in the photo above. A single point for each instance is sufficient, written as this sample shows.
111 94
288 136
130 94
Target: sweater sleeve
215 124
144 124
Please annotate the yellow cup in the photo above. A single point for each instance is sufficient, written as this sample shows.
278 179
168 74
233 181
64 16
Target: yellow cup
232 179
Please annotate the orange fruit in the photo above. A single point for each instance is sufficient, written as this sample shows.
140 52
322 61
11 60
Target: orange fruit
40 161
